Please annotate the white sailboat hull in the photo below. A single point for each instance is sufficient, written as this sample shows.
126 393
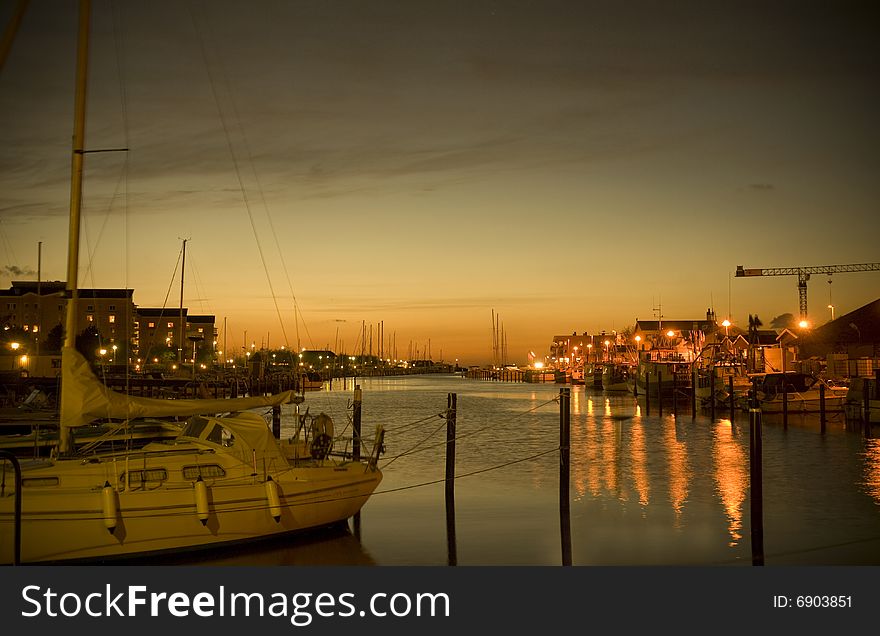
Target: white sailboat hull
59 524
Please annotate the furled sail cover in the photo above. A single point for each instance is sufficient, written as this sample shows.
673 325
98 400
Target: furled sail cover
84 398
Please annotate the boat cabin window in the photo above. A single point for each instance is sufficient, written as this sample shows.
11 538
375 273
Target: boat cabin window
39 482
213 432
146 478
194 427
204 471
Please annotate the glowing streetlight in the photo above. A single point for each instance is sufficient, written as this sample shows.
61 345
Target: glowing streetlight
831 307
803 324
670 333
726 325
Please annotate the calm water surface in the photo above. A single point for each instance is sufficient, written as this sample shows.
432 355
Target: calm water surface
645 489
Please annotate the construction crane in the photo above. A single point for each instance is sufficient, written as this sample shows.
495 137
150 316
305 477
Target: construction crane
803 274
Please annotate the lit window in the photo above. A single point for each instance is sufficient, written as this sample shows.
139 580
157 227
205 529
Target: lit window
90 318
111 318
201 330
151 325
170 325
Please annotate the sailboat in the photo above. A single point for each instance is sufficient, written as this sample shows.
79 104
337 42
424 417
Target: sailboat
224 479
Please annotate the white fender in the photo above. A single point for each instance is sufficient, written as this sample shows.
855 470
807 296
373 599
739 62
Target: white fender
274 499
109 508
201 489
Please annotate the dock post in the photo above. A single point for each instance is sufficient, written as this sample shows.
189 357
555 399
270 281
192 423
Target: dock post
564 470
660 393
675 394
451 408
712 393
276 421
822 407
784 403
356 424
756 487
730 395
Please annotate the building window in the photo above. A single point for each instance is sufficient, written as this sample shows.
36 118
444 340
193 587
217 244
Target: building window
90 308
36 328
171 325
111 318
112 308
10 306
90 318
151 325
201 330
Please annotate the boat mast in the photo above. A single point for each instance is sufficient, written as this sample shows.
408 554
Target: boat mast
182 322
76 174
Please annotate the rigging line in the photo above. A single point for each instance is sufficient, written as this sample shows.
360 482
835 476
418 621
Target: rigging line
152 342
470 474
119 46
235 163
403 427
415 446
415 449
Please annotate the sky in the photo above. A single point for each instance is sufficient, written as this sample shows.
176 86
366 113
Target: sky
566 166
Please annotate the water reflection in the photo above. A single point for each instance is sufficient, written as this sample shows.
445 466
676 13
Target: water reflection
335 545
731 476
872 468
679 471
641 481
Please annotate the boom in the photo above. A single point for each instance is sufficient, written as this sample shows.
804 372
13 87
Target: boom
803 274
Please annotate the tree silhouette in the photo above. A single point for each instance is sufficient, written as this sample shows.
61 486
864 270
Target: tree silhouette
87 343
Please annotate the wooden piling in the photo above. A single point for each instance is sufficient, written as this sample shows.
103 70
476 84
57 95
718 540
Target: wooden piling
660 393
451 408
356 424
712 393
564 473
756 487
731 397
784 403
674 394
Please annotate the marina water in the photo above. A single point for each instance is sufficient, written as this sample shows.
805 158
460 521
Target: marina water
646 489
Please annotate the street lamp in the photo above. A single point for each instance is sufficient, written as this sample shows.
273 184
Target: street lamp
726 325
14 346
831 307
